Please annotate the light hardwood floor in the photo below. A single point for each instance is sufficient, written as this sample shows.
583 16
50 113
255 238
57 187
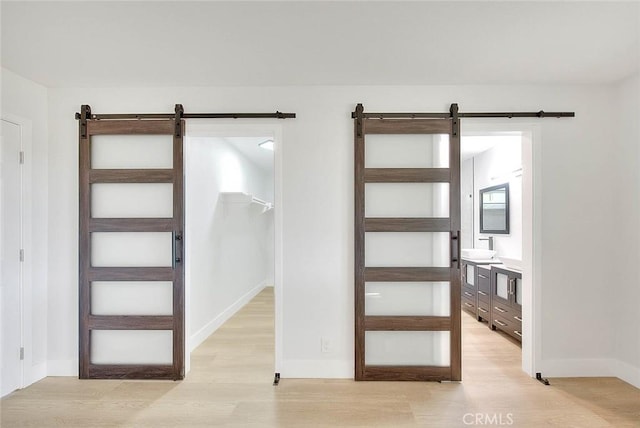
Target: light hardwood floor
230 386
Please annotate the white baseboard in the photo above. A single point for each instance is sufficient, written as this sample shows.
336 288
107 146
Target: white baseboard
587 367
35 373
603 367
201 335
62 368
321 369
627 373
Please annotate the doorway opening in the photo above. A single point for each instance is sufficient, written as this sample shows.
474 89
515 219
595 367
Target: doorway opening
499 283
232 245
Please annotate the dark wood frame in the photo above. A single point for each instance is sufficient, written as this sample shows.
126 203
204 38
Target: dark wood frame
504 231
88 225
380 125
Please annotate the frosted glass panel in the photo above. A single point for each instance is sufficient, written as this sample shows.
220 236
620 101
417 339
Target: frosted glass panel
407 298
471 274
126 249
135 200
131 347
131 298
502 287
406 151
406 199
131 151
519 291
407 348
397 249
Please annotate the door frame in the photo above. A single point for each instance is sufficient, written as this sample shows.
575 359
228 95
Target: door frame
231 128
531 228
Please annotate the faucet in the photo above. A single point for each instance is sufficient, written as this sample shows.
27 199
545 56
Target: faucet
490 239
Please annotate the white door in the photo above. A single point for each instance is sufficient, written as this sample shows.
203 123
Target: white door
11 238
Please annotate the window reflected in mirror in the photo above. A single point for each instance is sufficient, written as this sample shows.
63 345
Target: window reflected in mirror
494 209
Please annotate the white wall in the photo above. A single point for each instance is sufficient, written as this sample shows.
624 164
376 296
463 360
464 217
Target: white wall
27 102
490 168
624 282
318 208
227 244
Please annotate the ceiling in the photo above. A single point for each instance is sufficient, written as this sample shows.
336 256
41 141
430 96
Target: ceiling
182 43
473 145
249 147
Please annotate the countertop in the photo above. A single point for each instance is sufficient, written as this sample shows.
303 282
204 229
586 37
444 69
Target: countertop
482 261
494 262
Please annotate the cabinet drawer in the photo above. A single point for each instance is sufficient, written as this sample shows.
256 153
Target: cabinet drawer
484 296
484 304
484 280
469 294
516 316
483 311
509 326
500 309
469 305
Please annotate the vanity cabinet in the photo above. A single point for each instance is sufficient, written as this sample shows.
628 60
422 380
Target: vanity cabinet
506 301
475 283
483 292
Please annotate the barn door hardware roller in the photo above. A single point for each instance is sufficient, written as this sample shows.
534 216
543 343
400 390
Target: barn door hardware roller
179 112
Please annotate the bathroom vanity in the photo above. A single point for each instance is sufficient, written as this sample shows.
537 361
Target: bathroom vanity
506 301
475 284
493 293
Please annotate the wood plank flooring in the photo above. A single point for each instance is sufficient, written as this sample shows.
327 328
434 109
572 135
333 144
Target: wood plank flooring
230 386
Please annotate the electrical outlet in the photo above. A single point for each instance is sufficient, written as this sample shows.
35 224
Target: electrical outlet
326 345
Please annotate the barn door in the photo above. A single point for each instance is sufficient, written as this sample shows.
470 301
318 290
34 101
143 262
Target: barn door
131 281
407 235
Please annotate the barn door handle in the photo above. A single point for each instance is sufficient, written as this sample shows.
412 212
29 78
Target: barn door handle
177 249
455 255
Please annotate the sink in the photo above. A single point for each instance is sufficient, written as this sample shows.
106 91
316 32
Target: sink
478 254
511 263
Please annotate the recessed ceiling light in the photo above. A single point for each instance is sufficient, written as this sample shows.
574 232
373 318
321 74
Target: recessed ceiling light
267 144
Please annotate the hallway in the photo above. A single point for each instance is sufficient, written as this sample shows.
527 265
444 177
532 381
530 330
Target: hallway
230 385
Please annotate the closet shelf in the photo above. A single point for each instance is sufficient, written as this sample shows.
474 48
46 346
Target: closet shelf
241 198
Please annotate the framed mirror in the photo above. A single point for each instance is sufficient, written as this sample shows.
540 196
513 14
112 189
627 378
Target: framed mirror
494 209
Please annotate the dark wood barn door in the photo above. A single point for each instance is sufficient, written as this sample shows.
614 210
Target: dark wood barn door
407 235
131 279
